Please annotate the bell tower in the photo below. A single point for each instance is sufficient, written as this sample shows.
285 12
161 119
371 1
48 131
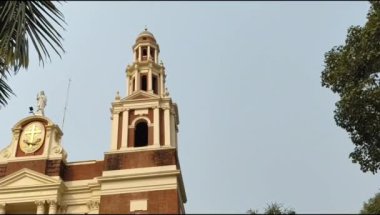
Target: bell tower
144 127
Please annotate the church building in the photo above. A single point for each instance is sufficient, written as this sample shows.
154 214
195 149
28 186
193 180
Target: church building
140 173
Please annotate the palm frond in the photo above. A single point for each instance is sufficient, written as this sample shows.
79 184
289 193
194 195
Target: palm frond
19 22
5 90
37 20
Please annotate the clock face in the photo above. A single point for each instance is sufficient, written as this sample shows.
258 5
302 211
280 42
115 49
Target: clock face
32 137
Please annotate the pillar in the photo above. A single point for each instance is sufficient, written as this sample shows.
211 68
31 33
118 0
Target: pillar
148 52
150 81
124 135
172 129
115 124
139 53
155 55
40 207
161 83
52 207
156 128
2 208
138 80
167 126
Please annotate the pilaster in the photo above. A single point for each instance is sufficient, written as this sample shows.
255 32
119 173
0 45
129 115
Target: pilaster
156 128
124 135
40 207
2 208
167 125
52 206
115 124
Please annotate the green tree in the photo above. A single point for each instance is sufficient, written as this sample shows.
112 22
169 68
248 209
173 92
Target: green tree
19 22
372 206
352 71
273 208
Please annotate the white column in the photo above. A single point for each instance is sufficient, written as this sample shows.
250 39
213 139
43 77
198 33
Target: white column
2 208
115 125
52 207
139 53
167 126
135 88
148 52
124 135
138 80
40 207
156 128
150 80
172 129
161 84
155 56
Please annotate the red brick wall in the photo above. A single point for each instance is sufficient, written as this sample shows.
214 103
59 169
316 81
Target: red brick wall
35 165
161 201
140 159
82 171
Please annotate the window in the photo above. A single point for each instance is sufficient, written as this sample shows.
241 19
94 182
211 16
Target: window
155 90
144 51
152 53
141 134
143 83
133 84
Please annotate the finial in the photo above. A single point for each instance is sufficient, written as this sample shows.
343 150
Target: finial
146 28
41 103
117 97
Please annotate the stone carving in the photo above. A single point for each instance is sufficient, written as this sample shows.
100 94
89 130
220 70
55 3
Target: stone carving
5 153
93 205
41 103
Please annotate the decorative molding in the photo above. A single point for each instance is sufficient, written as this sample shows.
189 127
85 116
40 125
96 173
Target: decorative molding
39 203
93 205
140 118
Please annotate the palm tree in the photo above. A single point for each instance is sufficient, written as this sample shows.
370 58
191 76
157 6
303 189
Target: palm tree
19 22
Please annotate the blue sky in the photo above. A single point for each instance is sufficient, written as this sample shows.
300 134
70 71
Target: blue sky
255 124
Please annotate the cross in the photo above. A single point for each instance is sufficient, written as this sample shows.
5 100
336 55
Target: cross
32 132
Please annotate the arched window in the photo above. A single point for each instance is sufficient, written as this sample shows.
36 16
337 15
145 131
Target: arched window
154 83
144 83
141 134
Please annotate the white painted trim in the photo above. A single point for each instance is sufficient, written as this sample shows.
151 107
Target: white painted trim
136 171
137 149
115 125
139 182
139 118
124 134
167 126
156 128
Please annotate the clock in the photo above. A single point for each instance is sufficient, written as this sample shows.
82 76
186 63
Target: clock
32 137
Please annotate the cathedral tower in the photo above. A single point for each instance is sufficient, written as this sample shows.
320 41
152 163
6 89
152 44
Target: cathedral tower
139 174
144 135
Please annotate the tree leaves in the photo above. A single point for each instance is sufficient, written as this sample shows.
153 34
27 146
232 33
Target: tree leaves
352 70
372 206
19 22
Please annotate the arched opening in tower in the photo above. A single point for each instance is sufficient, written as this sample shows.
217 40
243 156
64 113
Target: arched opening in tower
141 134
154 83
144 83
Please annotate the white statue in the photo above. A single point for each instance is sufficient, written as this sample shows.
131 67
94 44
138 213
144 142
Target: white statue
41 103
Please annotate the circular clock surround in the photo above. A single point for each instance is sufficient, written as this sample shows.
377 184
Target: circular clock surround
32 137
